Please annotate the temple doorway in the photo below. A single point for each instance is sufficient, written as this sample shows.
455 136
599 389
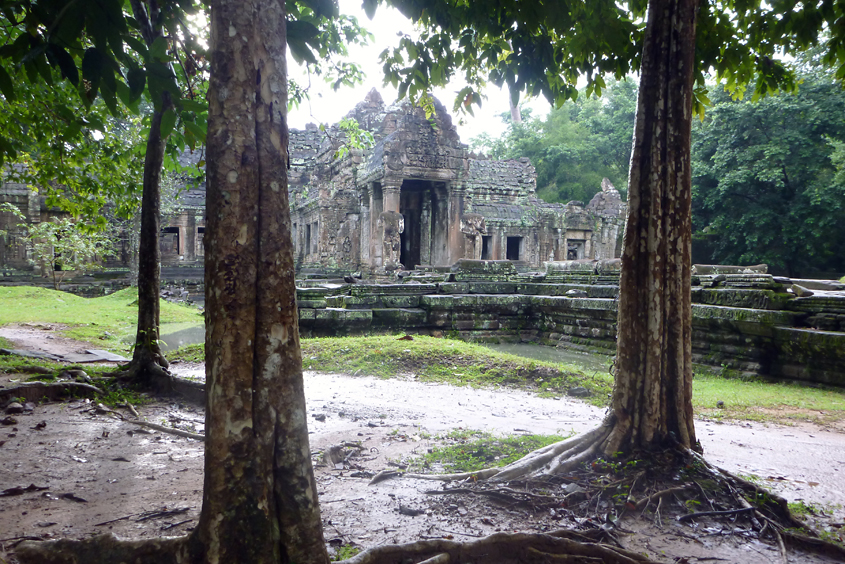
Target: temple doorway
424 207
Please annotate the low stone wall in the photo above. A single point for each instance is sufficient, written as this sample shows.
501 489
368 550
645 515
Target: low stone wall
747 322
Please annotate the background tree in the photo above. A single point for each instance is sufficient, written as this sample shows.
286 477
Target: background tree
154 51
105 53
765 184
575 146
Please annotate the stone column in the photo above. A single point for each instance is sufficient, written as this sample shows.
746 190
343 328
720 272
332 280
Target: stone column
365 229
456 210
425 234
390 226
391 192
376 207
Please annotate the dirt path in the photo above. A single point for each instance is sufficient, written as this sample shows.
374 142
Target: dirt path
140 484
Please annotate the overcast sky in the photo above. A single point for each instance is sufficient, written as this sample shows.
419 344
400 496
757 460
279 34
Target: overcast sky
328 107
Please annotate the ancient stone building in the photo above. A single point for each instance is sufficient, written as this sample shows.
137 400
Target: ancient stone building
419 198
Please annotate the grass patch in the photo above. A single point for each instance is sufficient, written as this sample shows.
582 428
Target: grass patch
188 353
468 451
344 552
781 402
447 360
110 321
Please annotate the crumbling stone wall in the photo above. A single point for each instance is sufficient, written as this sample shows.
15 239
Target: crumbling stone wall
13 249
742 323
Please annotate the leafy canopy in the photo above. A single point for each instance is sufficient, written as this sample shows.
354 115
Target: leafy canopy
769 179
575 146
546 46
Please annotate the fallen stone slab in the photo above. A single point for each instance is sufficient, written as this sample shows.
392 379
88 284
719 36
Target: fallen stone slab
106 355
30 354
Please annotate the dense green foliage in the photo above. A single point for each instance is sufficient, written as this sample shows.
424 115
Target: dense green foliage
80 80
769 180
576 145
547 46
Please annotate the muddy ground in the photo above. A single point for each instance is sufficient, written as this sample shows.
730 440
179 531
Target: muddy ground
95 472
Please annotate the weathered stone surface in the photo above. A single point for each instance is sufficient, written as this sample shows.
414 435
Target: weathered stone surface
466 270
801 291
698 269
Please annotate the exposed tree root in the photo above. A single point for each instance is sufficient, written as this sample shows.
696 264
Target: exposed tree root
146 372
149 374
553 459
170 430
33 391
614 485
500 548
104 549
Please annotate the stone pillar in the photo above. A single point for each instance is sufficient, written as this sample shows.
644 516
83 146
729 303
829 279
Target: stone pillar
190 248
390 226
456 210
473 227
365 228
425 234
391 196
376 207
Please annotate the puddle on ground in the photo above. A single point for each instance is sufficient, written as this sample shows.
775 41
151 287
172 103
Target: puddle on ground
585 360
172 340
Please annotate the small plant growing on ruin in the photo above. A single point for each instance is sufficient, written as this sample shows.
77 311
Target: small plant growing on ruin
63 245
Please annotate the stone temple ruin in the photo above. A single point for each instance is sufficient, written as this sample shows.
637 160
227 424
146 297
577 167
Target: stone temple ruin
418 199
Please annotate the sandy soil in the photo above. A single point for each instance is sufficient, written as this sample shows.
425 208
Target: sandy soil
101 473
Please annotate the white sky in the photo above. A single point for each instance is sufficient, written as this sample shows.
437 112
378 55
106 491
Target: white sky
329 107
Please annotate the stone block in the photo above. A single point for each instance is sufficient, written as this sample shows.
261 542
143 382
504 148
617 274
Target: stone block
404 318
492 270
400 301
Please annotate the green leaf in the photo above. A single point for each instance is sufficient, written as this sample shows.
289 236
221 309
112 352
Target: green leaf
321 8
31 72
137 45
92 66
7 148
301 30
300 51
196 130
158 50
44 68
110 100
370 8
137 79
193 105
64 61
6 85
122 92
168 121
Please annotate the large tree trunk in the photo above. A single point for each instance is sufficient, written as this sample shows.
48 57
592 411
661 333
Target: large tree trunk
652 399
260 498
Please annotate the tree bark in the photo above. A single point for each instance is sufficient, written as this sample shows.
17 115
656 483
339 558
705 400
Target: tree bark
147 358
652 398
260 498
